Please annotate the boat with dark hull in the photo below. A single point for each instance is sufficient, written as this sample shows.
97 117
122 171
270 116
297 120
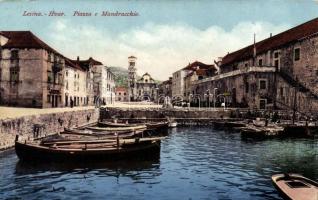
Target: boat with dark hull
117 129
295 187
138 148
116 124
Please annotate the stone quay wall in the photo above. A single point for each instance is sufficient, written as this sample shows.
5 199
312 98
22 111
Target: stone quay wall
44 124
160 113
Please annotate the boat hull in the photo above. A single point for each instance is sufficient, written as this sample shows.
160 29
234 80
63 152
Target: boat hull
144 151
301 188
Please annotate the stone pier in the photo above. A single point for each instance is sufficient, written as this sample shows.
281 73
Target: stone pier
43 124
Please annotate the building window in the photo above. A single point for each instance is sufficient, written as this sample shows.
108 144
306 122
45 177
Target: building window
14 54
14 74
67 85
66 73
48 98
281 91
125 93
0 74
262 103
297 54
260 62
262 84
276 59
246 65
49 77
247 87
119 93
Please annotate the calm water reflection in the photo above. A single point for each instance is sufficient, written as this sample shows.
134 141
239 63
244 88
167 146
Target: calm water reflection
195 163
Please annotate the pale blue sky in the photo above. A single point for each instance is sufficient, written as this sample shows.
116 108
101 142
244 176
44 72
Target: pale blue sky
166 34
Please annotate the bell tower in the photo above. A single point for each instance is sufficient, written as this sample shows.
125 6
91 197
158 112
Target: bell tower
132 78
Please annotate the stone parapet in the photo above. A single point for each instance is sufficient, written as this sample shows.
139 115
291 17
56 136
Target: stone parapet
43 124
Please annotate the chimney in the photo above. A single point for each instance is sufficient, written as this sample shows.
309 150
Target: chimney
270 35
77 58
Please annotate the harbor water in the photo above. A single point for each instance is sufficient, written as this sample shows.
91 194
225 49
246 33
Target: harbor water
195 163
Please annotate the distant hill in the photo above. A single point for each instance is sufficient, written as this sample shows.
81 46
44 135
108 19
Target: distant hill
121 74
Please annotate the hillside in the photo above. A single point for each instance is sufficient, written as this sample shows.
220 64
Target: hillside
121 74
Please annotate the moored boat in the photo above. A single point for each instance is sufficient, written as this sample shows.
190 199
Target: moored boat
252 131
117 149
116 129
157 125
295 187
116 124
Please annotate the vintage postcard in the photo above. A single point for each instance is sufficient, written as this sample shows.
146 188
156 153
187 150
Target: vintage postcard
136 99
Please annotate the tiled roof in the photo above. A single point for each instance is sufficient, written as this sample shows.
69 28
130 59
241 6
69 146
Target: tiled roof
297 33
72 64
86 63
25 39
193 66
121 89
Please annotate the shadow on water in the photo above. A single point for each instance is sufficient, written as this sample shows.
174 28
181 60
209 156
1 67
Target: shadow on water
119 167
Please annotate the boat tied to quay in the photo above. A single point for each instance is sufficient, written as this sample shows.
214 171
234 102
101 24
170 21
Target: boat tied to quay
95 150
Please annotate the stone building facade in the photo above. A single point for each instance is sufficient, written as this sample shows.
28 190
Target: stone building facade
143 89
165 88
122 94
32 74
75 85
278 72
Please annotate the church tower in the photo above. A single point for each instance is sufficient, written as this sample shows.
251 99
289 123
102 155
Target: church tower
132 78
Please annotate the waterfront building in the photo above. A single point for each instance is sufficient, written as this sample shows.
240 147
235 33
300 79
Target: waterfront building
31 72
196 71
165 88
110 87
75 84
143 89
122 94
178 83
277 72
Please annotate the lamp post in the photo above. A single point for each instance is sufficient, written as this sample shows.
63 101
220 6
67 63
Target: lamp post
190 96
214 99
223 100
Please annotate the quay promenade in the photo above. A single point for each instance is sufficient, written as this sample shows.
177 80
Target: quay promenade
30 122
26 122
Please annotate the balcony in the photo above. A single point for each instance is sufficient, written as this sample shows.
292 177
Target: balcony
238 72
57 67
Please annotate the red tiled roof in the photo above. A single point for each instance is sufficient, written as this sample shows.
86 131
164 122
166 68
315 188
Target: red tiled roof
201 72
193 66
25 39
72 64
121 89
86 63
299 32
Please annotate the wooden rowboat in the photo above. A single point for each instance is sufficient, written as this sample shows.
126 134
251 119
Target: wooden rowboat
295 187
157 125
116 129
112 124
139 148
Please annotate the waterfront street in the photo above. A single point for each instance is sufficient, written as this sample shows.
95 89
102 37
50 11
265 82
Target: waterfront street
195 163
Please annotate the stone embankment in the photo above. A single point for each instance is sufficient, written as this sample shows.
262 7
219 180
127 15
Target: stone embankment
156 113
43 124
